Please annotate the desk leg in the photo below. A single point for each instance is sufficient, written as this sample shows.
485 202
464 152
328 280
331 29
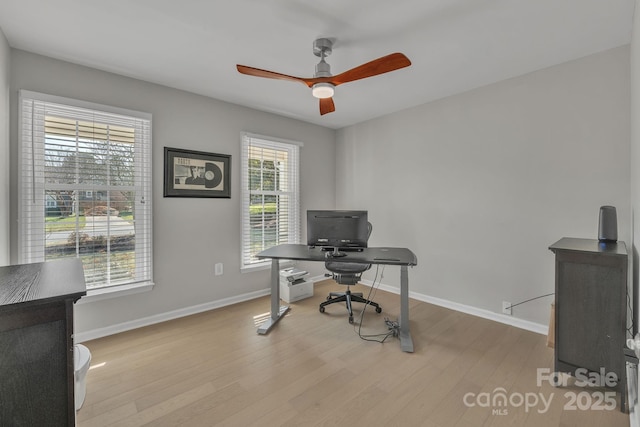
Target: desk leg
277 311
406 343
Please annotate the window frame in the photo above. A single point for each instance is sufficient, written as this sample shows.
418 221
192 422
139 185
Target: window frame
293 183
33 183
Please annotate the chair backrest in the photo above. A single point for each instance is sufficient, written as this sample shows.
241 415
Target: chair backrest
369 229
347 272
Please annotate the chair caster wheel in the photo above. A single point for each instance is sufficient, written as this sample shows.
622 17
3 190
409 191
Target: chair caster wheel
350 319
321 309
378 309
328 298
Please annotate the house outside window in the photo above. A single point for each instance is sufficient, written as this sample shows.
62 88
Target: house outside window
270 196
85 188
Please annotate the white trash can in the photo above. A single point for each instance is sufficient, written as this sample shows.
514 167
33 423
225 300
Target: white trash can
81 362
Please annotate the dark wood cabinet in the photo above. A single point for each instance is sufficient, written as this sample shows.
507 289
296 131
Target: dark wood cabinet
36 342
591 308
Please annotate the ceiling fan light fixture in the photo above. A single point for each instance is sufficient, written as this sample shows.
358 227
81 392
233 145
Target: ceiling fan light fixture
322 90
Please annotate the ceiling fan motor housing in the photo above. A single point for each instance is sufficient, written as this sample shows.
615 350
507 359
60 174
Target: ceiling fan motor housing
323 69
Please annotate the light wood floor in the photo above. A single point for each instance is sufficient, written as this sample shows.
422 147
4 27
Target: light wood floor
313 369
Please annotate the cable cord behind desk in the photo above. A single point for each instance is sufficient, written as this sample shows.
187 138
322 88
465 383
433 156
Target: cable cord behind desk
382 337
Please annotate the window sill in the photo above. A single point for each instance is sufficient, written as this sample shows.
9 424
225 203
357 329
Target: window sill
94 295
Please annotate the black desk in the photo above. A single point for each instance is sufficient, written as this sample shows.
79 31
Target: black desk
388 256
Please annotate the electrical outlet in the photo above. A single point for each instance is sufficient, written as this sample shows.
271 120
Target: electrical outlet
218 269
506 308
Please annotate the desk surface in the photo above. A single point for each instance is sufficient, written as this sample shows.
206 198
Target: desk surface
39 282
389 256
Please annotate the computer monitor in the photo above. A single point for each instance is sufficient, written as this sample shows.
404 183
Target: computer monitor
337 229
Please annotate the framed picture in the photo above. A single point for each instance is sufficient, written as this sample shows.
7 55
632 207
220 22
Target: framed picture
189 173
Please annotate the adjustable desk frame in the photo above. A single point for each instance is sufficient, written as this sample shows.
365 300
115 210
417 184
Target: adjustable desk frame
385 256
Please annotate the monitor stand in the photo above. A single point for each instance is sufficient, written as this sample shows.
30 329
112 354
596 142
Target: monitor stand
335 253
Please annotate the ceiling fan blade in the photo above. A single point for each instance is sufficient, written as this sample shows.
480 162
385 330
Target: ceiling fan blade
257 72
388 63
326 106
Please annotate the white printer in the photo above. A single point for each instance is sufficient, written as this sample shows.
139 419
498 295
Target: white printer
295 284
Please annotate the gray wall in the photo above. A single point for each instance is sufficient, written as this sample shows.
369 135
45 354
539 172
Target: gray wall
635 150
480 184
4 150
190 235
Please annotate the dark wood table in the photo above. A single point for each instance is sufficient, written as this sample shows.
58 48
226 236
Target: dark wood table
591 310
36 342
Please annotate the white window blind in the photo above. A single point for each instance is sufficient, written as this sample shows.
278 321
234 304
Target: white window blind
85 188
270 195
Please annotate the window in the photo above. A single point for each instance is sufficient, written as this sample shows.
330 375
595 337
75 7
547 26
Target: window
85 188
270 195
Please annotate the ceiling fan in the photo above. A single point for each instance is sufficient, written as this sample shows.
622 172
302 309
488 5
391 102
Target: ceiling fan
322 84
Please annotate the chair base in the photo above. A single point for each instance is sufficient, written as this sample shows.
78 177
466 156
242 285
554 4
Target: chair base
348 297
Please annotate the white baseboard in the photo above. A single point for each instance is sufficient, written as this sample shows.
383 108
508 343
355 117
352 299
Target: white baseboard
474 311
163 317
319 278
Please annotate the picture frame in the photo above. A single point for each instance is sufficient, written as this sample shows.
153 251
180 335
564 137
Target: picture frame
190 173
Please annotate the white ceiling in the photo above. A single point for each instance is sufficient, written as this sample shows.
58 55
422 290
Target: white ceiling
194 45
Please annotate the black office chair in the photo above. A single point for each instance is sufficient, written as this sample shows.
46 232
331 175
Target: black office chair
347 273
